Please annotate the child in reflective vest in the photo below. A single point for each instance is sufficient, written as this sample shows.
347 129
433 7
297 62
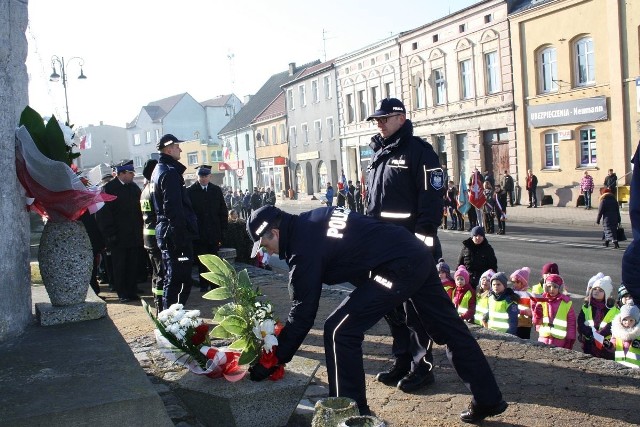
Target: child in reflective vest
596 306
482 297
445 277
520 280
464 296
553 315
625 336
503 306
547 269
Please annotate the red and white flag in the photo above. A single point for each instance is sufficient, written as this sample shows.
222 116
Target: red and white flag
85 141
476 192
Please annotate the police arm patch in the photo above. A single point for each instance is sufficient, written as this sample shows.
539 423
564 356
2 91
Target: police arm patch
433 178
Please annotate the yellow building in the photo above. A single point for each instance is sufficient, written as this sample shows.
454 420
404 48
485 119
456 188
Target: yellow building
272 150
575 105
195 153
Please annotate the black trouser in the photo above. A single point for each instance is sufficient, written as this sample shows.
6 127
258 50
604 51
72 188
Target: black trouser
177 279
125 271
157 275
415 282
511 197
501 224
533 198
202 247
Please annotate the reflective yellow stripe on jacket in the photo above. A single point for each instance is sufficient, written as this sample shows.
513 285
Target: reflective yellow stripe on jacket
464 304
498 316
557 328
631 358
482 307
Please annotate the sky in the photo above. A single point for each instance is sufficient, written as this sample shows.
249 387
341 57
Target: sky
139 51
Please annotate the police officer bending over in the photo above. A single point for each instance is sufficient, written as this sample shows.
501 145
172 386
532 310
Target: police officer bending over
388 266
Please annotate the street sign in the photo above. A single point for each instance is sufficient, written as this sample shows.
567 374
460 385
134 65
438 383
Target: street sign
240 173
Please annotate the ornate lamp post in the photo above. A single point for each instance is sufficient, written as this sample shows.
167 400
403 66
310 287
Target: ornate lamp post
63 74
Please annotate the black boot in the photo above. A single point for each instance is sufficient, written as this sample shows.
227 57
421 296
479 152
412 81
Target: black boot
421 377
606 243
477 413
616 245
397 371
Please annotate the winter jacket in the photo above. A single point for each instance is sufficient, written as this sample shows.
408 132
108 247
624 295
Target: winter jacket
586 184
477 259
553 304
501 305
464 299
211 211
609 213
592 314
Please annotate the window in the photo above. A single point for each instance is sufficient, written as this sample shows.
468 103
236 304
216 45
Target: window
290 99
462 28
148 141
492 72
314 91
157 135
327 87
274 135
265 136
216 155
388 90
317 129
414 46
283 138
419 92
466 79
303 95
246 142
293 136
305 134
438 81
387 56
585 62
137 160
136 139
434 38
362 103
588 147
192 158
330 129
375 96
373 61
488 18
551 150
349 107
548 70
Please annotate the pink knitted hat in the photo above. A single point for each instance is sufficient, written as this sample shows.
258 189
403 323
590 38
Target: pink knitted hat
521 274
461 271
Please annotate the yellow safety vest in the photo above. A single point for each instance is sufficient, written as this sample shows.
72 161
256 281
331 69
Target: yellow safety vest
498 316
482 307
632 357
464 304
557 328
613 312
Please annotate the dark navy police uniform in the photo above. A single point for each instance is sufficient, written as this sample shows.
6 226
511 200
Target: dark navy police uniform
388 266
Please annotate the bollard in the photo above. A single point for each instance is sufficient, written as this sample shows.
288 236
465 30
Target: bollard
362 421
329 411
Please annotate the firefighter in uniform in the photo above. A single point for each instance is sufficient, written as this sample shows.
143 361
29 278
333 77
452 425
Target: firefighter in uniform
149 236
405 186
176 225
388 267
212 214
120 222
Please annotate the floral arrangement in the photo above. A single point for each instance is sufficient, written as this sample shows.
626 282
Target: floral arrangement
184 339
248 319
44 156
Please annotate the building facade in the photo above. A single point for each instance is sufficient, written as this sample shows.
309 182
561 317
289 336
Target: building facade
272 154
108 145
457 88
312 123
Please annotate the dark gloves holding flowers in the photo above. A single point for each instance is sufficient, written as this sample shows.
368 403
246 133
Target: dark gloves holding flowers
258 372
267 367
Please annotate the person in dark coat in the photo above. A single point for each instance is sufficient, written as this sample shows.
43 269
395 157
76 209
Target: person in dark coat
212 214
630 264
611 181
269 197
120 222
609 214
509 187
388 267
477 255
177 225
357 195
351 196
256 199
97 246
532 187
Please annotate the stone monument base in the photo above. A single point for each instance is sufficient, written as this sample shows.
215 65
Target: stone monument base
47 314
220 403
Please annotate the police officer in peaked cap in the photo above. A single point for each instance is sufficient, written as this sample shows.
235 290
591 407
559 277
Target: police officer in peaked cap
388 267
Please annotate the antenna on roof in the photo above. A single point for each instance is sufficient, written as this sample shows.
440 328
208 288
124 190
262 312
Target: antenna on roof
324 45
230 57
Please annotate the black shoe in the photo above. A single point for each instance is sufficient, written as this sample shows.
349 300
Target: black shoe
616 245
606 244
477 413
397 372
415 380
529 206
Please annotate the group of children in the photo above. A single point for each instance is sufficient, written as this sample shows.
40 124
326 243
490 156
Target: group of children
606 327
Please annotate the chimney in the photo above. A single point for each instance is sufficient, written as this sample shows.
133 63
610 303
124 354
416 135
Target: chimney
101 123
292 68
246 99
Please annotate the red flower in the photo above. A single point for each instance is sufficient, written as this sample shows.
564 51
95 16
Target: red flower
268 359
200 334
278 374
278 328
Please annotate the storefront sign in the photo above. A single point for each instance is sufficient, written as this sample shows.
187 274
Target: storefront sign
365 152
231 165
562 113
564 135
280 161
309 155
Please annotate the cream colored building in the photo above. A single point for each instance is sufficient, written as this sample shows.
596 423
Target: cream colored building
457 87
575 64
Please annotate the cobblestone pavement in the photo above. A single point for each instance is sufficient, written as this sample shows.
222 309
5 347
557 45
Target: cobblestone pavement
544 386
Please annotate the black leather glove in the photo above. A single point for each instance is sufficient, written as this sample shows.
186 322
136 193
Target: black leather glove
258 372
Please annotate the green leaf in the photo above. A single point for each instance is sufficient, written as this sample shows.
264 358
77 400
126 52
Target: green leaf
220 332
55 141
243 279
217 294
216 278
249 354
217 265
225 310
234 324
240 344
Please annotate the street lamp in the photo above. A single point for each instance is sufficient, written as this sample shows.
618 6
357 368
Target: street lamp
54 77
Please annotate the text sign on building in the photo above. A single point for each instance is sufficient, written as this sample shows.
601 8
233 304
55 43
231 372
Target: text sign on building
308 155
564 134
562 113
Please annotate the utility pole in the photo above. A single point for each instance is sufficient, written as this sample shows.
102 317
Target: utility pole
230 57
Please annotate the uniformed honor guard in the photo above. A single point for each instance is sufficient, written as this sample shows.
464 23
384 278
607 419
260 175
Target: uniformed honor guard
176 226
120 222
149 235
388 267
405 186
212 214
